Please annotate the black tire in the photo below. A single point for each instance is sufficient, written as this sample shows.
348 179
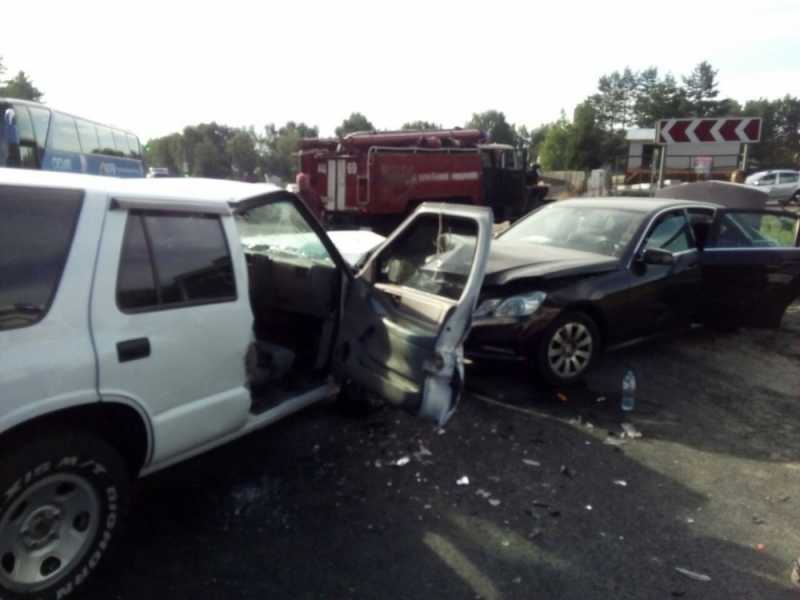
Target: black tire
64 482
583 328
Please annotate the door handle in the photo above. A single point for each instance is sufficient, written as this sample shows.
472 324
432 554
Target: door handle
133 349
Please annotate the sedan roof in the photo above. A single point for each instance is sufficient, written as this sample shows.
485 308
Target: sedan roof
729 195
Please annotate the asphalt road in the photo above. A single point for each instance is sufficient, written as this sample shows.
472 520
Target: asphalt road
319 507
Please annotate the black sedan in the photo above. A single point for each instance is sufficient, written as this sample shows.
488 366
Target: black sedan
578 276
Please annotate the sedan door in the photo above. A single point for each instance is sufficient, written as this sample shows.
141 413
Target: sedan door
751 267
409 310
664 296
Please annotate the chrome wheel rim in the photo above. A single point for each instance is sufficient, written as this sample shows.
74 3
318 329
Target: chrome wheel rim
570 350
47 531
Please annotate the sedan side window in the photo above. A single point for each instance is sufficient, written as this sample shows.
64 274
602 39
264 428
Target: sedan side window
671 233
756 230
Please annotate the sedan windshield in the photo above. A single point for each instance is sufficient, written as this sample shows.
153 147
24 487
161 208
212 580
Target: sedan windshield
596 229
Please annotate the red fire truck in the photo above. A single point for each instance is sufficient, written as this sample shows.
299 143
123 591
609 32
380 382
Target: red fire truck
376 178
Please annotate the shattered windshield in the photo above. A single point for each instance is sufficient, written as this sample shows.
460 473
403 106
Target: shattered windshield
278 229
596 229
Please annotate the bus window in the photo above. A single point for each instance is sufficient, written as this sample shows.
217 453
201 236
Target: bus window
27 148
88 136
41 123
106 141
133 144
120 143
65 136
24 124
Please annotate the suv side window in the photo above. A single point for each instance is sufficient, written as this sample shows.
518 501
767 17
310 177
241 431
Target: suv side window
671 232
170 260
36 231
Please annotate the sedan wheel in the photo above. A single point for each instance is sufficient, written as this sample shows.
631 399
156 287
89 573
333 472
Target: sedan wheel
568 349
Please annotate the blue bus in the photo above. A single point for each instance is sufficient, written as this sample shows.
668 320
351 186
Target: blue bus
33 136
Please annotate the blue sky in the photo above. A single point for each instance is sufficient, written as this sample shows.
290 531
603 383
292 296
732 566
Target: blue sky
155 67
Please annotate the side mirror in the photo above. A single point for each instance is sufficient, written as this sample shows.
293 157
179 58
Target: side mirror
656 256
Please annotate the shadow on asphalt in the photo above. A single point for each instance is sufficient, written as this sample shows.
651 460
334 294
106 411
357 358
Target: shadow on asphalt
316 507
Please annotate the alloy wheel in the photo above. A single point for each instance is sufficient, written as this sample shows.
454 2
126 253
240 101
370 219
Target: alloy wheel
570 350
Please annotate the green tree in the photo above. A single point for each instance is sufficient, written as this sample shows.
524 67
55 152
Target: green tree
780 132
167 151
587 139
555 154
355 122
244 158
279 146
206 150
658 98
701 88
420 126
21 87
495 125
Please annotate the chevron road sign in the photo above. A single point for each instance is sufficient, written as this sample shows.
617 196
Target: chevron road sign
727 129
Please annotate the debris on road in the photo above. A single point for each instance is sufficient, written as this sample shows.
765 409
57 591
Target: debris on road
600 399
566 471
628 391
483 493
494 501
760 547
693 574
588 507
621 482
402 462
422 452
462 480
795 575
612 440
630 431
758 520
562 397
531 462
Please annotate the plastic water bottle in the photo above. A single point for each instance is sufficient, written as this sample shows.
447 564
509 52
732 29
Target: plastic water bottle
628 391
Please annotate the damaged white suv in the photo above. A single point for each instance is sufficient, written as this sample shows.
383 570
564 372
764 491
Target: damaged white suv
143 322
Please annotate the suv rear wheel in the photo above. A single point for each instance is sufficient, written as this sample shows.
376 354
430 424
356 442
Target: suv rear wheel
63 498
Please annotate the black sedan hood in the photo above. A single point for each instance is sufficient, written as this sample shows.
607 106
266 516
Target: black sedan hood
509 261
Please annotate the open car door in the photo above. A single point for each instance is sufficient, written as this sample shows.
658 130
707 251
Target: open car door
406 314
751 267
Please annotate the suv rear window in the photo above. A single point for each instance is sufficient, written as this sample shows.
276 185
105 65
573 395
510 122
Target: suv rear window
170 260
36 231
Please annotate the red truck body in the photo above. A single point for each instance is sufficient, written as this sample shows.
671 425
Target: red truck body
378 178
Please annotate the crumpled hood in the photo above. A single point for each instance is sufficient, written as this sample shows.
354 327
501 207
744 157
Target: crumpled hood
521 260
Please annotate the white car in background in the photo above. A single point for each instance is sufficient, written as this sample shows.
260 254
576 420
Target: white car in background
783 186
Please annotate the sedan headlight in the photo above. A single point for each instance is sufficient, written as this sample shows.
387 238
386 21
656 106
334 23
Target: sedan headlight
522 305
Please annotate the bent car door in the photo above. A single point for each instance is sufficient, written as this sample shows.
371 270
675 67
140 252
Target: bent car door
406 314
751 267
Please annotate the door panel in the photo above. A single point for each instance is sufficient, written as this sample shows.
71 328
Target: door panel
408 312
665 296
173 342
751 268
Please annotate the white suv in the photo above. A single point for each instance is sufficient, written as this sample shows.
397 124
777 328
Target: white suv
782 186
146 321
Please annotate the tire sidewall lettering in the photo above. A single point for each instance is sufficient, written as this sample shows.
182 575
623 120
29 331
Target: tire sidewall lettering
95 472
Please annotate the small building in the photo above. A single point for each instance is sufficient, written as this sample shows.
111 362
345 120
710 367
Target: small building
684 162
